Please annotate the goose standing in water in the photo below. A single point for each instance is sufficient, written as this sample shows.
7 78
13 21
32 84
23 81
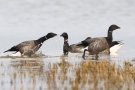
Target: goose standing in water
30 47
99 44
115 46
72 48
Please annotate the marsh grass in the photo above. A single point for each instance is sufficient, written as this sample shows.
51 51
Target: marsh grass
35 74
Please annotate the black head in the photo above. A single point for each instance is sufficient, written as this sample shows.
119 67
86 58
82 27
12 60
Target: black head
50 35
113 27
116 43
64 35
88 38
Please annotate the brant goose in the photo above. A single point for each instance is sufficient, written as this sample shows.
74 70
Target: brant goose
72 48
115 46
99 44
30 47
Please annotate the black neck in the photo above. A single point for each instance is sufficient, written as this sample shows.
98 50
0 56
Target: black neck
65 39
109 37
66 45
112 44
66 42
42 39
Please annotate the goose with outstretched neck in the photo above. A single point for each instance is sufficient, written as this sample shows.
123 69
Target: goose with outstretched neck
30 47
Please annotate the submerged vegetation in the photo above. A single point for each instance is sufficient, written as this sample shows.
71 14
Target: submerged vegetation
35 74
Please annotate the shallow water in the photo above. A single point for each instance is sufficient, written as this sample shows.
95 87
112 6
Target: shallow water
31 19
50 73
28 20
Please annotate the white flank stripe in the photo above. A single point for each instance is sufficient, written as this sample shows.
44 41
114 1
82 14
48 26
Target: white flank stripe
17 54
115 48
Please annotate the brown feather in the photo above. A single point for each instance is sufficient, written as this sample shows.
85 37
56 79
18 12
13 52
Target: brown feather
97 45
27 47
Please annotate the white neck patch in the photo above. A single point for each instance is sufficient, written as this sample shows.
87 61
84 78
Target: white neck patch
45 37
66 40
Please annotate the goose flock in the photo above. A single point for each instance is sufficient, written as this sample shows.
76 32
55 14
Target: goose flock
91 46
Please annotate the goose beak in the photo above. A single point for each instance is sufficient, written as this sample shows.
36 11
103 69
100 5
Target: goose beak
61 35
118 27
55 34
120 42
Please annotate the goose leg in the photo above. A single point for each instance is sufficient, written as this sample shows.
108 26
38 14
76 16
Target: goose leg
96 56
65 53
83 56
